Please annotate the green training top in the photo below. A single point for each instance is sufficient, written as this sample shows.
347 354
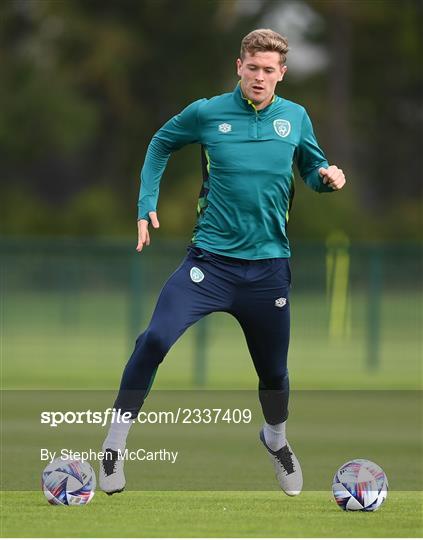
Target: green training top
249 183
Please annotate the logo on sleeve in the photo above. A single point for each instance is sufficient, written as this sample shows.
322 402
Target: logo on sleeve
225 128
282 127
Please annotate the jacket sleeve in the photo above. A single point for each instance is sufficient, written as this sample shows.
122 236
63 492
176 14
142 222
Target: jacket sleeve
310 157
179 131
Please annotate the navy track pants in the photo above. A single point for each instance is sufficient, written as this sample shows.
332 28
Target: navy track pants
254 292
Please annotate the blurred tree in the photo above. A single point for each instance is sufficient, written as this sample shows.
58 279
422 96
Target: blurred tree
85 84
366 108
375 87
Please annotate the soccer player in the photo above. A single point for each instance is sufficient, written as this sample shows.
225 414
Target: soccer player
238 258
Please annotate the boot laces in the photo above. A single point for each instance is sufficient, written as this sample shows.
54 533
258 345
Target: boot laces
110 461
284 456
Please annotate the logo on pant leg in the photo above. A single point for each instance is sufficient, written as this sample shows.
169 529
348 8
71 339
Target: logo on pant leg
280 302
196 274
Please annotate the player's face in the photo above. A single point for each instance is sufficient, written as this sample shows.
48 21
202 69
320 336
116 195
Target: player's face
260 72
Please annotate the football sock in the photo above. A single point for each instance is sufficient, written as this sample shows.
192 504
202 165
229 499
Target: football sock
275 435
118 432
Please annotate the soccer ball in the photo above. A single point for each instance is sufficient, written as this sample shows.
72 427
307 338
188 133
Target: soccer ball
360 484
68 482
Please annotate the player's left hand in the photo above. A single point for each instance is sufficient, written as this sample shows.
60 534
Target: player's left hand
333 177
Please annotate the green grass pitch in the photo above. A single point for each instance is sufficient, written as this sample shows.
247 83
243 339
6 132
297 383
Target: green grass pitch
209 514
79 336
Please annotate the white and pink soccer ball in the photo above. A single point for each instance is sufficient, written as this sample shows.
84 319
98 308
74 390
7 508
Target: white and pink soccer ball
360 484
68 482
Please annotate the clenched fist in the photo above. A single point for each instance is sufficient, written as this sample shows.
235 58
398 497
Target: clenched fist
333 177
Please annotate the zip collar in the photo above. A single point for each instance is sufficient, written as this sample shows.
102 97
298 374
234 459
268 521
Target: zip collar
248 104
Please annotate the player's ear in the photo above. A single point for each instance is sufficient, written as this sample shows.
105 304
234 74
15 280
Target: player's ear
238 66
284 69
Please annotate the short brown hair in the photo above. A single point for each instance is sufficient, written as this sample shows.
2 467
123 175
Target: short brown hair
263 40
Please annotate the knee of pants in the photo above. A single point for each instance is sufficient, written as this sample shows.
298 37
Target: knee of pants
274 382
152 345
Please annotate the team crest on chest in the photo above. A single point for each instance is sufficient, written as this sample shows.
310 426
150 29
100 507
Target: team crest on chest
282 127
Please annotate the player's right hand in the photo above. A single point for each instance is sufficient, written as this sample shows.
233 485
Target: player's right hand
143 234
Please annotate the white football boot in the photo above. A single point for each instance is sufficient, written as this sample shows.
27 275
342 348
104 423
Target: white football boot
111 477
287 468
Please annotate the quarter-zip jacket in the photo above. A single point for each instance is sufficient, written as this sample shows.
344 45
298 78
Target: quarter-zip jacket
248 184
